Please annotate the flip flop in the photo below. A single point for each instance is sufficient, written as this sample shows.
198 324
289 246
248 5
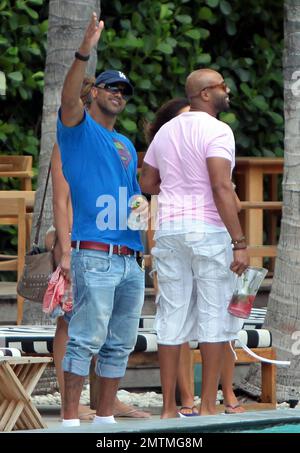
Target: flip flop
231 409
188 411
133 413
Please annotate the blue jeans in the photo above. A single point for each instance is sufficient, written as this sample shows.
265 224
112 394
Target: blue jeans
108 295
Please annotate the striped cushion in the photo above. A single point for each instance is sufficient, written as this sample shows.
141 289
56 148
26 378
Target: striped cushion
256 338
39 339
256 319
28 339
10 352
260 338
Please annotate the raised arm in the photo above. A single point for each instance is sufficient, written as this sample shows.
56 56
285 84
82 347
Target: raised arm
72 108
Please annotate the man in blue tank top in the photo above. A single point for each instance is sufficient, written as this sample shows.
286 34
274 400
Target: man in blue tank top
99 165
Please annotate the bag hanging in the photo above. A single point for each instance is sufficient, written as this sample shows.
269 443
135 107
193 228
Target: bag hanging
39 264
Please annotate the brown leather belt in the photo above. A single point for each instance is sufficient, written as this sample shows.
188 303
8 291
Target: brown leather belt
117 249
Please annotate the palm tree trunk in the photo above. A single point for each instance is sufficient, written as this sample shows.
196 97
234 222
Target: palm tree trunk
283 314
67 23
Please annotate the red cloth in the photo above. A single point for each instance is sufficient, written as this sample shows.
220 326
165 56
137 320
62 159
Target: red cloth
59 292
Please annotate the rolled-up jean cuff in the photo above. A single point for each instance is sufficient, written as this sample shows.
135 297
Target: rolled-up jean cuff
110 371
79 367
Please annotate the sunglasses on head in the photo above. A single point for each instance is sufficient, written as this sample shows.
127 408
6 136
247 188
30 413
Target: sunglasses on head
114 89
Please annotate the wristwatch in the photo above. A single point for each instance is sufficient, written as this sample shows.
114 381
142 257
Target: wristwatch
80 57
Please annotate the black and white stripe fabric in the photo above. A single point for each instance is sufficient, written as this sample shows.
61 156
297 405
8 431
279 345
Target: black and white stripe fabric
260 338
10 352
28 339
146 322
39 339
256 319
255 338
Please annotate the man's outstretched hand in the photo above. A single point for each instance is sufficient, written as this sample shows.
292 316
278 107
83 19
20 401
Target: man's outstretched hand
92 35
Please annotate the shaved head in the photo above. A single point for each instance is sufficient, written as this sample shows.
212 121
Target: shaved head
200 79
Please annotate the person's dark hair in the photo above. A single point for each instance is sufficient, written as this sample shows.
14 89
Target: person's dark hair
164 114
85 93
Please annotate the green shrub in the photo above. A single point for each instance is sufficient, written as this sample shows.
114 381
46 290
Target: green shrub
157 43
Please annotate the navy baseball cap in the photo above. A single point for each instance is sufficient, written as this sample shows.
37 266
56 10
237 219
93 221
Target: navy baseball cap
111 76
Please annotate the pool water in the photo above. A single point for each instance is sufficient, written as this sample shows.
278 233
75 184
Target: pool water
291 428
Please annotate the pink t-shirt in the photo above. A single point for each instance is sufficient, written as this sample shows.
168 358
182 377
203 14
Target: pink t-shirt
179 151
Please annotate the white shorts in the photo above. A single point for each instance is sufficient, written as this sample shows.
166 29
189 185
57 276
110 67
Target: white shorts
201 260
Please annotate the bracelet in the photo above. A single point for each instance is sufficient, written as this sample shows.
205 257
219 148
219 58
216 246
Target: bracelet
239 248
81 57
238 241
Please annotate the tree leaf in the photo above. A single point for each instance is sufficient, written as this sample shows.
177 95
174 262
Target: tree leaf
204 33
268 153
244 74
164 11
165 48
260 102
231 28
23 93
225 7
212 3
38 75
204 58
35 2
31 12
184 19
15 76
194 34
131 108
145 84
205 13
278 119
44 26
115 63
228 118
246 89
129 125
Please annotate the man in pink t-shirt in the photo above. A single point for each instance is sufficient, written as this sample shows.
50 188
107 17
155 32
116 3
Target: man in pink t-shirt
198 234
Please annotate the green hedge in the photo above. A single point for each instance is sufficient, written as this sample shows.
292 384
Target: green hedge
23 39
157 43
